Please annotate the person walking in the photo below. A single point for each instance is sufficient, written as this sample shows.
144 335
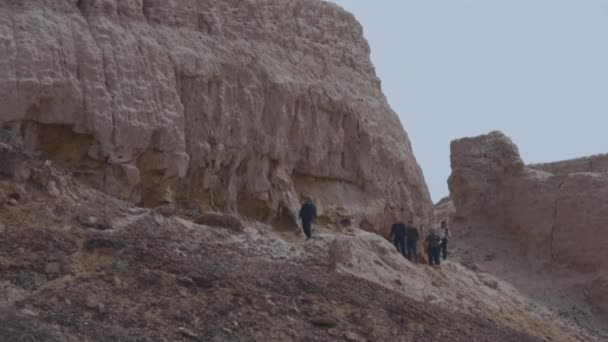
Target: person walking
444 234
412 242
398 233
434 242
308 214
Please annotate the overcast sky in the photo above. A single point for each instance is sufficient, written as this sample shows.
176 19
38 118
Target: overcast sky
535 69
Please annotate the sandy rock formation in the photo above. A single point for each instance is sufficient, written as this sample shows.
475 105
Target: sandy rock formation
444 211
593 164
553 216
145 276
239 106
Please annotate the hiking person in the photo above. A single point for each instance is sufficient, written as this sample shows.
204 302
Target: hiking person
398 233
434 243
308 214
444 234
412 241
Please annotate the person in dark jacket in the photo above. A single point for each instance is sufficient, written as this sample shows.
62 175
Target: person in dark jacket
398 233
308 214
412 242
434 243
444 234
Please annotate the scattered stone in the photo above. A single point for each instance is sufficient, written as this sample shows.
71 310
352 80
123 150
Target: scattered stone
493 284
51 189
324 322
88 221
13 202
166 209
94 222
188 334
20 193
185 281
93 302
29 312
430 298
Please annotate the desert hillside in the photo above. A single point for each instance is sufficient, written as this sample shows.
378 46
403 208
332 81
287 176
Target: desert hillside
153 158
79 265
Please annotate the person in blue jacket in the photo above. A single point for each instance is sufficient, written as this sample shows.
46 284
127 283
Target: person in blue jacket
308 214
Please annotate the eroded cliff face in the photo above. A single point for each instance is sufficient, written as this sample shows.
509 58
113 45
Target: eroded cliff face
89 267
239 106
552 215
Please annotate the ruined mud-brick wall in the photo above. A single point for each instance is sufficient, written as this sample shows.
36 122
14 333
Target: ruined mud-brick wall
230 105
557 212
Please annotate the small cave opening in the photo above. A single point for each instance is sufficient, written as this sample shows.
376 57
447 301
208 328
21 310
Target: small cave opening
62 145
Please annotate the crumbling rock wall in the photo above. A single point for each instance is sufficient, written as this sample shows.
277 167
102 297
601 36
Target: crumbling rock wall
556 213
239 106
596 164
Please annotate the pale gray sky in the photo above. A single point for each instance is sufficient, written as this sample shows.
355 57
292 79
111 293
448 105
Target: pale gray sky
535 69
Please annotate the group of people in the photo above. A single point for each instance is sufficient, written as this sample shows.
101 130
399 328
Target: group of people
405 238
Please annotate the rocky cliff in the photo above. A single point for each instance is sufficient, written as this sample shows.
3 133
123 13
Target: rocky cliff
228 105
551 217
594 164
79 265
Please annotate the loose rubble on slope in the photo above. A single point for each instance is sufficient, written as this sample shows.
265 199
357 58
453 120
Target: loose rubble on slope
77 264
236 109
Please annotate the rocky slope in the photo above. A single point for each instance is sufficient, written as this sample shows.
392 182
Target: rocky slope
79 265
240 107
229 105
541 226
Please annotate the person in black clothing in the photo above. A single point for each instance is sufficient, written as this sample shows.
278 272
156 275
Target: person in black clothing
398 233
434 243
412 242
445 234
308 214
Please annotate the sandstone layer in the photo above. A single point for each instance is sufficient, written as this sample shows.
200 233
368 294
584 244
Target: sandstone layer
551 216
230 105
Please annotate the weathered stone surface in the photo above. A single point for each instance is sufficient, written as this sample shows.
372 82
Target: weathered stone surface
444 211
595 164
164 273
555 213
240 106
